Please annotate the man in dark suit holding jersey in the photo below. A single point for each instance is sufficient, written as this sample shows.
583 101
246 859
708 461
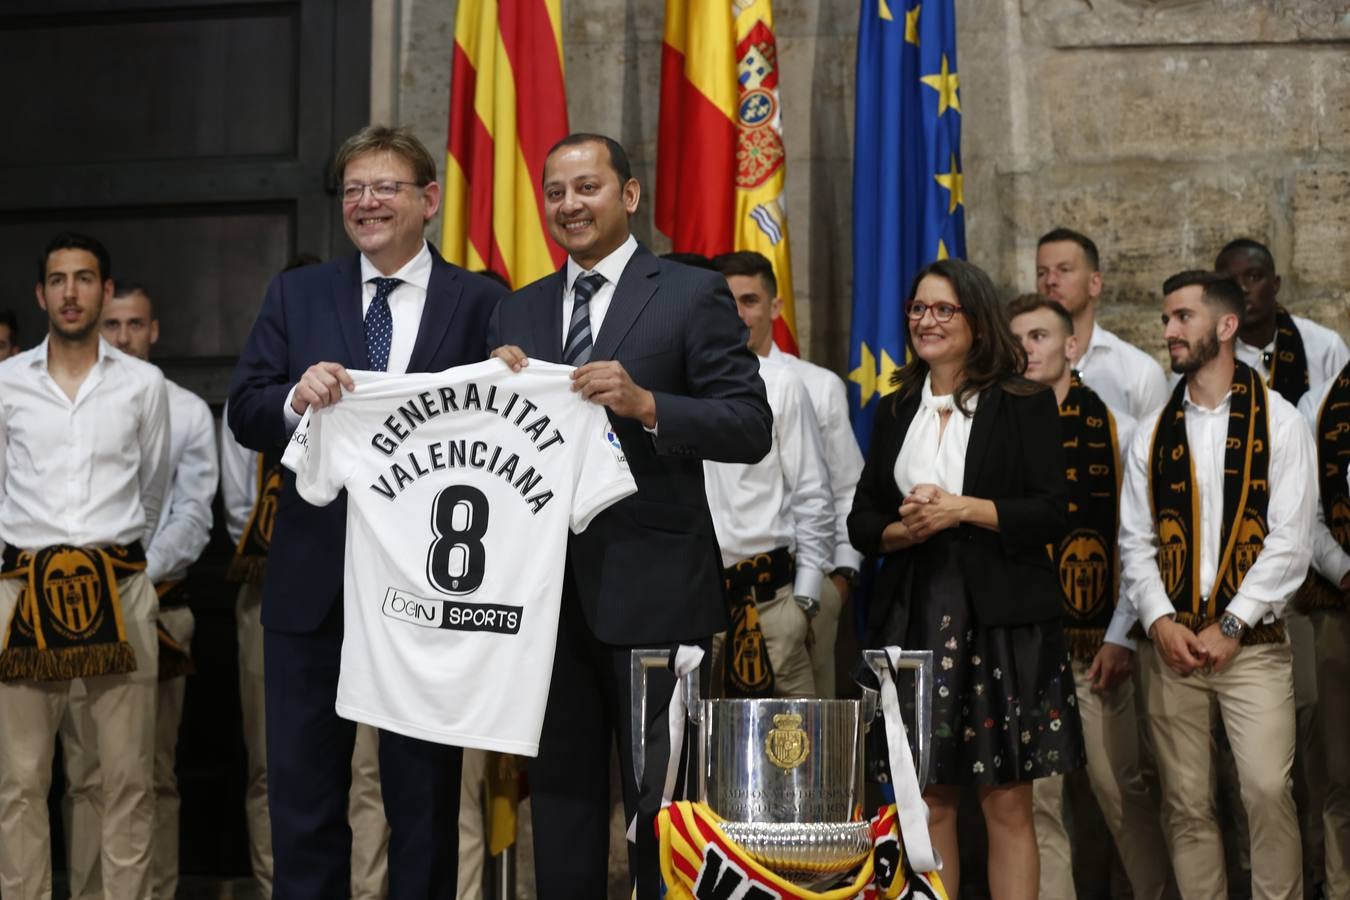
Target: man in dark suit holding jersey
659 345
394 306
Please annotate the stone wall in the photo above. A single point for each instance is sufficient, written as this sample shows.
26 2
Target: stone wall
1160 127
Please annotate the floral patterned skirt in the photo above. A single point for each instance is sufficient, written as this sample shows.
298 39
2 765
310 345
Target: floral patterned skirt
1004 708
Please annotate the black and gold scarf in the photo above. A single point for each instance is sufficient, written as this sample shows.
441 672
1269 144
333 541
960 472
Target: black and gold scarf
1289 363
1246 495
249 564
1086 558
68 619
747 671
1333 457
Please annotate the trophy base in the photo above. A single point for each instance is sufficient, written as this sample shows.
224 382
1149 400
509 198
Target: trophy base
808 854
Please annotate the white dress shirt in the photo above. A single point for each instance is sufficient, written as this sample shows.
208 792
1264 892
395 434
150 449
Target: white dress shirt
1324 348
89 472
406 303
1283 561
931 454
185 527
843 459
1124 376
1330 561
238 481
611 267
784 499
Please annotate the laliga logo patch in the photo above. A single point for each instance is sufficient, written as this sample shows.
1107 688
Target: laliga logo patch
615 444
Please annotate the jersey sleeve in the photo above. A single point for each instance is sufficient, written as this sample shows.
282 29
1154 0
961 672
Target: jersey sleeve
315 455
601 471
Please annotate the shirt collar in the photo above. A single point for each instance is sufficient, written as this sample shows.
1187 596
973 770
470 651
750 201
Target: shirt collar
1101 339
611 266
1222 408
416 271
775 353
37 357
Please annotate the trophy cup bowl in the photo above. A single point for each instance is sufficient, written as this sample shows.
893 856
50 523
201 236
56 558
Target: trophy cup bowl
785 777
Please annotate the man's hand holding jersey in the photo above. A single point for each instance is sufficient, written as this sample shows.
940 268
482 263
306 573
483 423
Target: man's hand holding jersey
320 386
605 382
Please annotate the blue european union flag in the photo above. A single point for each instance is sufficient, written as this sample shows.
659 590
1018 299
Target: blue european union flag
908 206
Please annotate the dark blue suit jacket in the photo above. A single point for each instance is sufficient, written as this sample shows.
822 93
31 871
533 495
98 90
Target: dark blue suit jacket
648 569
313 314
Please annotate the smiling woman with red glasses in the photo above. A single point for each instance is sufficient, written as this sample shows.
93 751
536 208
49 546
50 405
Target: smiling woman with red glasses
963 488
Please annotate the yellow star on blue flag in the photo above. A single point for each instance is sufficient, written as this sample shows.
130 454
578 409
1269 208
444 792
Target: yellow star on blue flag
908 188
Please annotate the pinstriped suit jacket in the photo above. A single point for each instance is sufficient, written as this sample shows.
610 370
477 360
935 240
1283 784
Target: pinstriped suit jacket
648 570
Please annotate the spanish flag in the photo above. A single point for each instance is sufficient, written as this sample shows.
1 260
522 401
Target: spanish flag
508 106
720 158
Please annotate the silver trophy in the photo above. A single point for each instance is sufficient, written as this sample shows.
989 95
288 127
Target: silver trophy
786 776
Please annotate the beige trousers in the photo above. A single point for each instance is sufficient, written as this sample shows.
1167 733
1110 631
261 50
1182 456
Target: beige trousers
824 633
1331 629
1255 696
122 708
472 825
1111 737
786 629
365 810
82 805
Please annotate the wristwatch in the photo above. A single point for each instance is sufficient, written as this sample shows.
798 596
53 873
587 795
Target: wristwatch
1230 626
847 573
809 605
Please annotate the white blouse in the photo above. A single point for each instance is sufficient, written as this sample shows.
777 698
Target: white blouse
930 455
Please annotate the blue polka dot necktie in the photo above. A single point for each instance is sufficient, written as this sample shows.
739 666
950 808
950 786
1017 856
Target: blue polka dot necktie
380 323
577 346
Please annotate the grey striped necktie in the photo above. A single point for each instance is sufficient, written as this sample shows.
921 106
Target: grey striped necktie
577 346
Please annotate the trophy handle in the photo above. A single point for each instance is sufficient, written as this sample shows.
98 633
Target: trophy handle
641 662
921 661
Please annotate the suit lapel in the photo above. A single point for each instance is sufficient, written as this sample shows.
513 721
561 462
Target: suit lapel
636 286
347 298
981 437
443 295
546 316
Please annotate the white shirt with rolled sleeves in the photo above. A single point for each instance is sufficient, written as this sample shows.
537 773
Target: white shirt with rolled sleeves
1125 377
1324 348
784 499
1282 564
843 458
88 472
185 527
1328 558
462 486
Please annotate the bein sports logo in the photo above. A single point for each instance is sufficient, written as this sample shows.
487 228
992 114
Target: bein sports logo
449 615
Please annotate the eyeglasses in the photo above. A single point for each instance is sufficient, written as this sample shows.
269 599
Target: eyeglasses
942 312
353 192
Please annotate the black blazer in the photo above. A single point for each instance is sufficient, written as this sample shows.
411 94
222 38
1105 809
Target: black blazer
648 568
1015 458
309 315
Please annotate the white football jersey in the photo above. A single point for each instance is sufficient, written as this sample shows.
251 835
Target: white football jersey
461 487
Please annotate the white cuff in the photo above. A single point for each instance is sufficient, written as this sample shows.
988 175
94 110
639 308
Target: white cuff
1119 629
292 417
807 582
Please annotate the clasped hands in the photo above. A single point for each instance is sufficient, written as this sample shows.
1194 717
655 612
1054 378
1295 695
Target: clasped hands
605 382
1186 652
926 510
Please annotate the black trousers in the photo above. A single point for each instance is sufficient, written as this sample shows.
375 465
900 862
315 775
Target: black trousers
589 710
309 757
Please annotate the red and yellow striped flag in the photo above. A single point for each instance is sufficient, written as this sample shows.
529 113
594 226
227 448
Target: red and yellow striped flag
721 166
508 105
